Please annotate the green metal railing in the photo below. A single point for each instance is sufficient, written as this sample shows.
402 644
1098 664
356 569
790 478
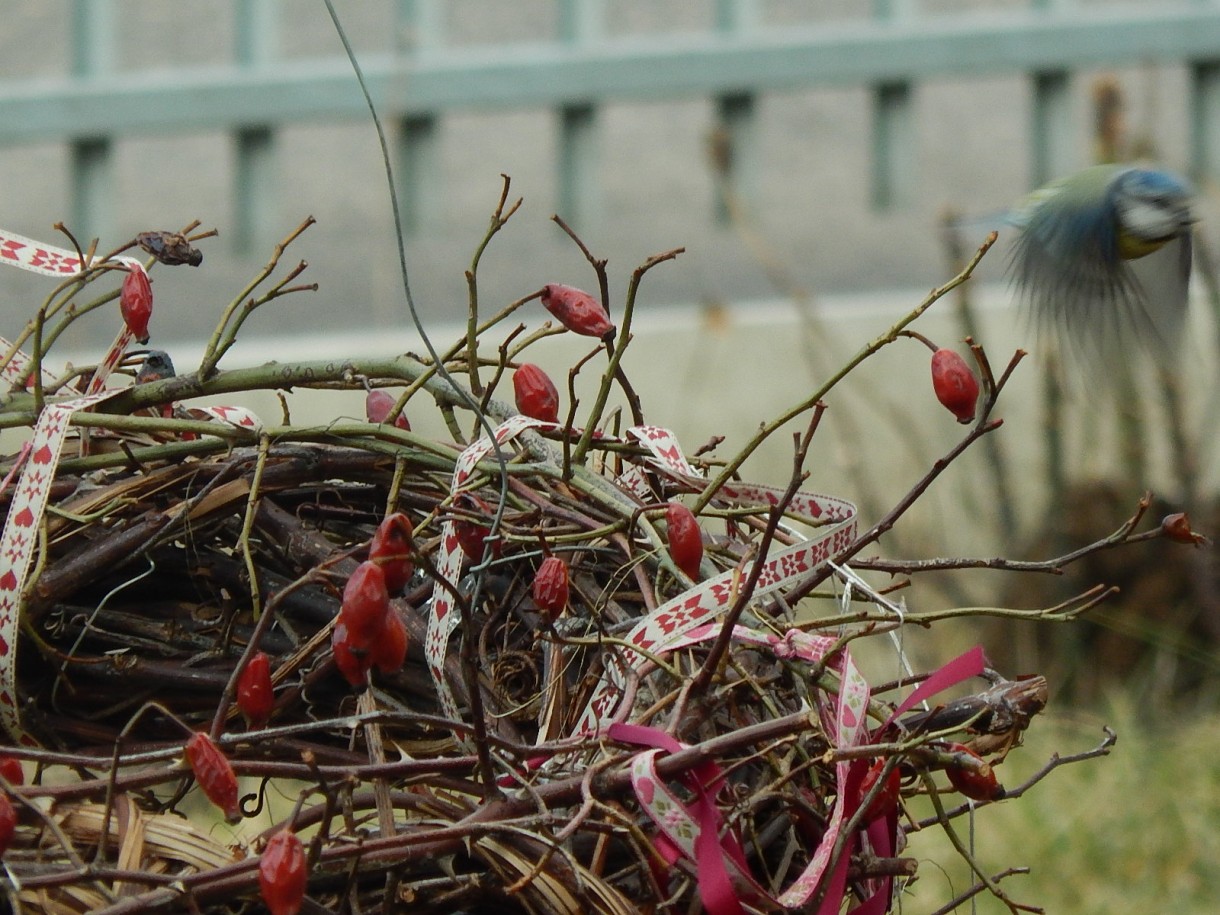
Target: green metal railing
738 58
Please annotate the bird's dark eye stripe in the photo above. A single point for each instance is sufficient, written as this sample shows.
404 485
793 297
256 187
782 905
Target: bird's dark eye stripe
1161 200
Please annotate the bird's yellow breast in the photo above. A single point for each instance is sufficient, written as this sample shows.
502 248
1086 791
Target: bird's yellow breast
1131 247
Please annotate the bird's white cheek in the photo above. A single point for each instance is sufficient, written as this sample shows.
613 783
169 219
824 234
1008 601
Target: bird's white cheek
1153 222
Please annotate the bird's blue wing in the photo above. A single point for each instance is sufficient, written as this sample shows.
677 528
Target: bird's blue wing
1074 283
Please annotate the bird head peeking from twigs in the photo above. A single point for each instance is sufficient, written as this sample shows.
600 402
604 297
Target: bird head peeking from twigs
155 366
1103 261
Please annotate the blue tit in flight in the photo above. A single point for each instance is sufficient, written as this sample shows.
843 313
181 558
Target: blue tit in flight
1104 259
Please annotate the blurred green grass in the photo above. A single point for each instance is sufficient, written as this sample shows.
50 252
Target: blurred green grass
1137 831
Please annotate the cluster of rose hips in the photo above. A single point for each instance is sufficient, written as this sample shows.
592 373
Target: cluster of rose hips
369 632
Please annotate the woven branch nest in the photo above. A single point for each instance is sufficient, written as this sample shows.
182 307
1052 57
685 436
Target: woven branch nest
175 543
145 597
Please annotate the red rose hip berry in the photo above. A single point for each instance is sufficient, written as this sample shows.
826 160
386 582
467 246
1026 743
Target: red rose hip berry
282 876
377 407
954 384
8 823
10 768
887 796
390 651
536 395
255 695
576 310
551 587
391 549
366 601
214 774
353 663
975 780
136 301
685 538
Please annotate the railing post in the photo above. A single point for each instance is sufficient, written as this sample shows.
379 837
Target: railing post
255 187
580 22
1052 149
1205 122
734 139
92 179
893 131
421 29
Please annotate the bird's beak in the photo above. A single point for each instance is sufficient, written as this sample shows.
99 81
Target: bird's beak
133 358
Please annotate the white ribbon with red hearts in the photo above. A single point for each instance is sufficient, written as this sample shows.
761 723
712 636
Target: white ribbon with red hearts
18 368
660 630
18 542
28 254
443 618
20 536
844 722
696 830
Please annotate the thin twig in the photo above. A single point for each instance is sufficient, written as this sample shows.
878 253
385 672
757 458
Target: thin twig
886 338
720 647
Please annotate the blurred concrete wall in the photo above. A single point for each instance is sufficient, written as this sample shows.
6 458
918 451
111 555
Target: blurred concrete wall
811 222
702 369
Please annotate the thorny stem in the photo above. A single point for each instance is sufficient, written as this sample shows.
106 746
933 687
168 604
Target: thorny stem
36 361
965 853
375 743
886 338
500 367
573 403
430 370
400 473
952 906
598 264
112 777
220 341
478 717
247 527
499 219
916 335
982 426
885 621
248 308
82 256
613 370
1055 761
1054 566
